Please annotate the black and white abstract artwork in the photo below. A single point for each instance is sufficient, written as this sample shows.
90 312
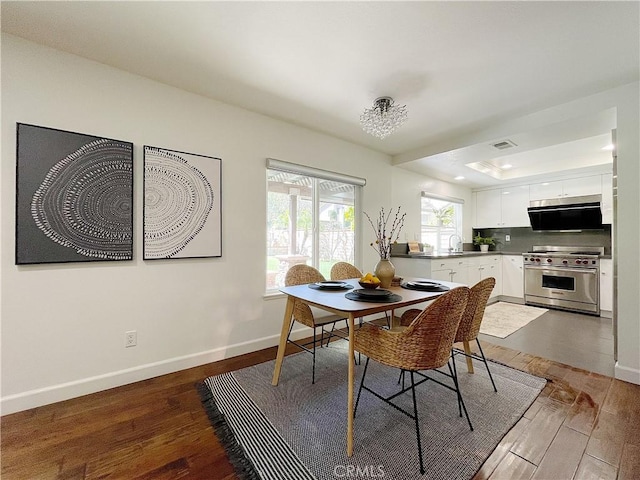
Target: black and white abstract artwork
74 197
182 209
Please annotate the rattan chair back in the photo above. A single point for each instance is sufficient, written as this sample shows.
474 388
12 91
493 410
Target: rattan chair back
302 274
472 317
344 270
426 343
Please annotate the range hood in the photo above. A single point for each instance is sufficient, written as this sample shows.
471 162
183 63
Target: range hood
566 214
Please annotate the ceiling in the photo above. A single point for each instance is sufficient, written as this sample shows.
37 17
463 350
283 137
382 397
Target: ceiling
459 67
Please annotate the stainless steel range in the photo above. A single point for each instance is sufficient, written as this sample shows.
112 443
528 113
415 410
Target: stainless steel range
567 278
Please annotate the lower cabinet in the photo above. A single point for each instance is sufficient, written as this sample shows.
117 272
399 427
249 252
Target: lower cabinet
513 276
484 267
450 270
606 285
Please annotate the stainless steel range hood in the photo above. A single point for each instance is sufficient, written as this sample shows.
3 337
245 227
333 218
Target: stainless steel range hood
566 214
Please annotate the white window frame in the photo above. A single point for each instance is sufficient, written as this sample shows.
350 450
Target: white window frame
459 221
319 174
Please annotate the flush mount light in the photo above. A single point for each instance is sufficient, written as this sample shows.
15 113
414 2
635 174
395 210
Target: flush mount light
609 147
383 118
459 177
506 166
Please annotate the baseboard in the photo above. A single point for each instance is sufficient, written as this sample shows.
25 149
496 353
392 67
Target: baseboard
627 374
507 298
65 391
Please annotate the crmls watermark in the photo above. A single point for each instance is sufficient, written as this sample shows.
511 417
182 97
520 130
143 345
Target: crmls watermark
358 471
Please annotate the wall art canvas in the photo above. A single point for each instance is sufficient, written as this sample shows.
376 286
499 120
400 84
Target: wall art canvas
74 197
182 208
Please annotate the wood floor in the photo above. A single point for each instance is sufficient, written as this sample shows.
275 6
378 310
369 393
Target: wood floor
583 426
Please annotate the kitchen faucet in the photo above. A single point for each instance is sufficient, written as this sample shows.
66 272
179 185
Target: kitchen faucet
458 243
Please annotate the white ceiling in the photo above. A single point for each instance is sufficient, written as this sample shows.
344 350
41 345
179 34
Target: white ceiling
458 66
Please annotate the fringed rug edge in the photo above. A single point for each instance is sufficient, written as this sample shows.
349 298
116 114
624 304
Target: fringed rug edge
243 465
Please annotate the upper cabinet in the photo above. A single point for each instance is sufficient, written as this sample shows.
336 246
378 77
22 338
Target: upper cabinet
507 207
574 187
503 207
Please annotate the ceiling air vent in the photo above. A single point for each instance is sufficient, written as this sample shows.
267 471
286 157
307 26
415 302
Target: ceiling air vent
504 144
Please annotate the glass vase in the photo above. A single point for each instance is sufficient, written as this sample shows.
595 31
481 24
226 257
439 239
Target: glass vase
385 271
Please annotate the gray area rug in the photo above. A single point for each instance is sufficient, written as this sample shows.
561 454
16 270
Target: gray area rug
502 319
298 430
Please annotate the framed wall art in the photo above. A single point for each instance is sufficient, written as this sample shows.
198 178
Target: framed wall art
182 205
74 197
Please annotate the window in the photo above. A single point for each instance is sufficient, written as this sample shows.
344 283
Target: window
311 218
441 219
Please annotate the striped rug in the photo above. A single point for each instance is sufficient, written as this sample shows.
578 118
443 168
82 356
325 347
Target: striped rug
297 430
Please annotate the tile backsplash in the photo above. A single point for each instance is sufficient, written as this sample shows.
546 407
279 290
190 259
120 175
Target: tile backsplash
522 239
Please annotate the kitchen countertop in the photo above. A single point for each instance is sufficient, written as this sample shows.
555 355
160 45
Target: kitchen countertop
466 254
452 255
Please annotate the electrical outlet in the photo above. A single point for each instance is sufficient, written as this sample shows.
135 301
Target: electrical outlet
130 338
507 238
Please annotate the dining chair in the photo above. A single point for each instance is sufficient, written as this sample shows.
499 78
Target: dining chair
471 321
425 345
302 274
343 271
469 325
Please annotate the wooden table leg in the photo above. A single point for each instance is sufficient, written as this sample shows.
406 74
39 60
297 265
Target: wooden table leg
350 387
286 325
467 350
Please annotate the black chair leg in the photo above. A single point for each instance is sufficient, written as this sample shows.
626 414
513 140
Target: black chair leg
401 377
455 382
415 416
486 365
455 374
364 374
313 368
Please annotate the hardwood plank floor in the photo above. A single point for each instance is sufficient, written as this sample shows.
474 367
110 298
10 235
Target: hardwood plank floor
583 425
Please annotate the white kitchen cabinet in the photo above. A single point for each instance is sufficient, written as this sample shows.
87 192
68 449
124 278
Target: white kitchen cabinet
607 198
515 201
488 205
482 267
513 276
545 190
606 286
573 187
412 267
502 207
450 270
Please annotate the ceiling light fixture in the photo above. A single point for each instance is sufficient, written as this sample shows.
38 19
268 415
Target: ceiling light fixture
609 147
459 177
506 166
383 118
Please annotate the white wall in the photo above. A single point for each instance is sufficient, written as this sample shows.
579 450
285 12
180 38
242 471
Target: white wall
407 189
63 324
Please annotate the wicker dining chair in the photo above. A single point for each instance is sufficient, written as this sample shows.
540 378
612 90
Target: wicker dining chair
470 323
342 271
302 274
424 345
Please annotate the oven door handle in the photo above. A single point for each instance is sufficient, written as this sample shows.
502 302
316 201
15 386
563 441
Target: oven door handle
591 271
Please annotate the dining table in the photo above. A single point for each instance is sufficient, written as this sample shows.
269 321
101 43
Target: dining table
335 300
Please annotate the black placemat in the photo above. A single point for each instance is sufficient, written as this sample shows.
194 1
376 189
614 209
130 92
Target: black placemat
440 288
315 286
388 299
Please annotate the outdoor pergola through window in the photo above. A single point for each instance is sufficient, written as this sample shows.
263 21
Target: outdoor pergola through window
441 222
310 219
